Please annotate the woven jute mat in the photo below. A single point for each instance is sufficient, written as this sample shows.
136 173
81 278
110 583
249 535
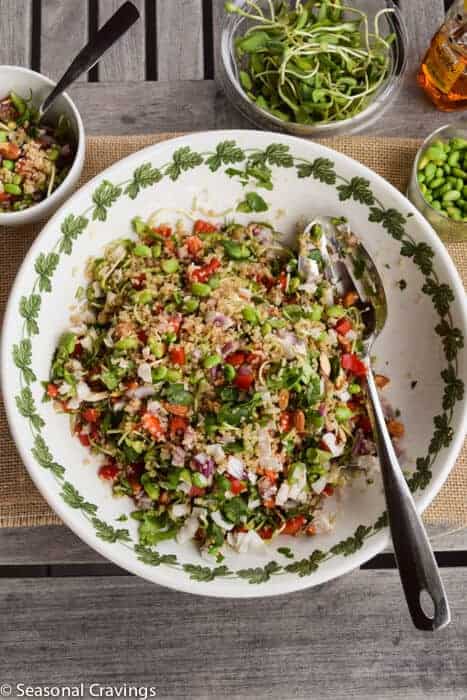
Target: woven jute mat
20 502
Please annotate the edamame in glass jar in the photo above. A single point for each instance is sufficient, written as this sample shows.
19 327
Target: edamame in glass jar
438 185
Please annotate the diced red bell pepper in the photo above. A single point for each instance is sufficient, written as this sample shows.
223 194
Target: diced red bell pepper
177 356
352 363
236 485
236 359
52 391
177 425
175 322
204 227
152 424
244 378
283 280
91 415
343 326
293 525
5 197
108 471
328 490
202 274
266 532
163 230
194 245
84 439
196 491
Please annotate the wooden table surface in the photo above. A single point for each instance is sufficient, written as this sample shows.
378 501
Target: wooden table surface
67 616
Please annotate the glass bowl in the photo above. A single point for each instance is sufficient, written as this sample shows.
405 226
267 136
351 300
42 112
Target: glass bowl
447 229
235 25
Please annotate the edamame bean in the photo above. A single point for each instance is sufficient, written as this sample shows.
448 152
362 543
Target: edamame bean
459 173
454 213
436 183
436 205
212 361
451 196
170 265
430 171
10 188
250 314
158 373
142 251
200 290
454 158
439 172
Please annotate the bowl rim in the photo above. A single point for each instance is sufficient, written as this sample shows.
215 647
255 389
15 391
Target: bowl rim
70 518
460 124
250 110
14 216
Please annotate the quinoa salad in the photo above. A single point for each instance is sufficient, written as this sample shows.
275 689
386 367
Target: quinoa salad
34 158
219 376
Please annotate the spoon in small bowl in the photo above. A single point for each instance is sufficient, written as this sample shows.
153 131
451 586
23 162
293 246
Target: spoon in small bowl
107 35
349 267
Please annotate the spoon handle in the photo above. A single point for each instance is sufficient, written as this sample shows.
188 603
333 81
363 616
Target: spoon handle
107 35
417 565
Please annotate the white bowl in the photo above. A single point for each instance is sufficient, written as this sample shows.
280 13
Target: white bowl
22 81
192 174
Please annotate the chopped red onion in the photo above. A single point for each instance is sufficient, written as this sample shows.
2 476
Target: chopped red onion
204 464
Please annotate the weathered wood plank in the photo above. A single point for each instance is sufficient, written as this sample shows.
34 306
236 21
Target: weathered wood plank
125 60
15 32
53 544
180 40
56 544
198 105
349 639
218 14
64 32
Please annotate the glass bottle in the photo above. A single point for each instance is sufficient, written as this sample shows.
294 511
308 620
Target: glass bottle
443 72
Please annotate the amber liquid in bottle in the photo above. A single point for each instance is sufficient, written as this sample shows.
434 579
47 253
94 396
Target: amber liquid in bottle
443 73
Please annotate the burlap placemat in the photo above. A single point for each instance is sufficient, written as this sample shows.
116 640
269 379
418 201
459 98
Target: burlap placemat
20 502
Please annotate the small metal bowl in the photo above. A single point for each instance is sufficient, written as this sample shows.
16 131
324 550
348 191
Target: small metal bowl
447 229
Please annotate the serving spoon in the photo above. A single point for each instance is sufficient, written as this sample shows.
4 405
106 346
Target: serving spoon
349 267
107 35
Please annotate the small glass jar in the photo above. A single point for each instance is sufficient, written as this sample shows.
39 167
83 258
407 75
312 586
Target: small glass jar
447 229
235 26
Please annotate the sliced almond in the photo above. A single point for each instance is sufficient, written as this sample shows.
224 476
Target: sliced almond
350 299
381 380
299 421
340 381
283 399
396 428
325 364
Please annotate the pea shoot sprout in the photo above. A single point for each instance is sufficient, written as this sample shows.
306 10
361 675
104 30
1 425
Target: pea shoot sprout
311 62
